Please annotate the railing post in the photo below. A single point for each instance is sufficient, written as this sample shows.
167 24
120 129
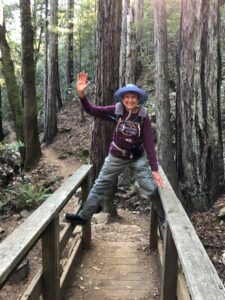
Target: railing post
86 230
153 228
169 268
51 261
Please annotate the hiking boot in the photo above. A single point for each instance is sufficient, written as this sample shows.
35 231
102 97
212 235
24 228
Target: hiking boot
74 219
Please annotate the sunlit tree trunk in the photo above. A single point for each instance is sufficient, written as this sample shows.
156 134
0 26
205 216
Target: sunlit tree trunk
46 42
107 75
37 27
31 138
139 19
199 139
11 86
130 46
165 151
69 62
1 127
122 65
52 92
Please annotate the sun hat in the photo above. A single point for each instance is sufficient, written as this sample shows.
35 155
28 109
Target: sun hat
143 97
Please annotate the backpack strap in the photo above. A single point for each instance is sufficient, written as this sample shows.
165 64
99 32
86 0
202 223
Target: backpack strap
143 111
120 108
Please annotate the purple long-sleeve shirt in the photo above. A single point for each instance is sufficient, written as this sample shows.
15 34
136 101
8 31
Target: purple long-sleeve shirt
120 140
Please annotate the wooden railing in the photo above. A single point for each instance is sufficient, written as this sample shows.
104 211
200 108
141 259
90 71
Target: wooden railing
187 272
44 224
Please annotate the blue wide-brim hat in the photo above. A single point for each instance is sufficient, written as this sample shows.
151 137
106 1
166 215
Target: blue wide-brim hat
131 88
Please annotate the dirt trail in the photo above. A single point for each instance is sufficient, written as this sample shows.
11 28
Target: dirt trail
64 167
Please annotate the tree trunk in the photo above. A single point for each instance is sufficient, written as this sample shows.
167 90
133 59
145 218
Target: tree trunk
52 92
31 138
139 15
11 86
107 75
131 46
69 62
46 62
1 127
59 98
122 65
199 138
38 28
165 150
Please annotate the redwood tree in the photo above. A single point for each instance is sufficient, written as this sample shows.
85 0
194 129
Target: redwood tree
1 127
107 75
199 139
31 138
11 85
69 60
164 134
53 80
122 65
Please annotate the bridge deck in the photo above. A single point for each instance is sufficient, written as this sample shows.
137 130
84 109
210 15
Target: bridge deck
119 264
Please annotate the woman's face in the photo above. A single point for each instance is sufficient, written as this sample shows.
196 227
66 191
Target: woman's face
130 101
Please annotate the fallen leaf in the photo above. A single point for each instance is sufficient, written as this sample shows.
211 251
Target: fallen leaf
81 287
96 268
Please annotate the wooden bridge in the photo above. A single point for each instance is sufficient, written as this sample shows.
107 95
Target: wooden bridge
186 270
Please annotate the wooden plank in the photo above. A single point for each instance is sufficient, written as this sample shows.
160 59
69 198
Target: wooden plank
72 260
202 279
34 290
182 291
51 261
169 268
65 234
153 229
142 276
121 284
86 236
118 260
117 245
19 242
125 294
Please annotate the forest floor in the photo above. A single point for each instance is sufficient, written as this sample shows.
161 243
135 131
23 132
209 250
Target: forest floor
60 159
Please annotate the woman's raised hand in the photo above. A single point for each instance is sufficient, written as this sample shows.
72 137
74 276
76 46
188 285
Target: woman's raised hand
82 83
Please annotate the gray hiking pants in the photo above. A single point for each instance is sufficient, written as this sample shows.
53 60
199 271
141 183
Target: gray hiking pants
110 171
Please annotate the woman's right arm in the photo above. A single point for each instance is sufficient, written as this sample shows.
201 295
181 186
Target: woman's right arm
102 112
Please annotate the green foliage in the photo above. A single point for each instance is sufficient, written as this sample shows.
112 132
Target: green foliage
10 151
22 195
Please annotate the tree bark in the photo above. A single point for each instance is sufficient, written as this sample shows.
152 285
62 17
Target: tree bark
122 65
69 62
131 46
107 76
1 127
11 86
46 43
165 150
52 92
139 15
38 27
32 144
199 138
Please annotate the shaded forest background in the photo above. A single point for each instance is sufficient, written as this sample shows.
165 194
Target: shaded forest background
116 43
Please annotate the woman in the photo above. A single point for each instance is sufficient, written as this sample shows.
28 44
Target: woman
132 146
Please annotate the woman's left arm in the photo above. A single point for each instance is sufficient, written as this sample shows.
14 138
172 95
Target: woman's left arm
149 145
